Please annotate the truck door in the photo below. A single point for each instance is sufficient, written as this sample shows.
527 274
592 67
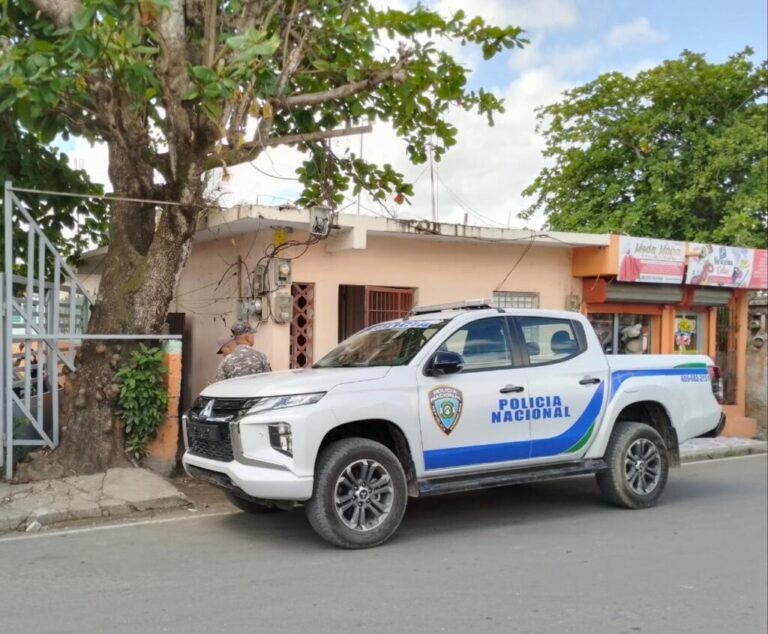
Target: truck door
567 383
465 417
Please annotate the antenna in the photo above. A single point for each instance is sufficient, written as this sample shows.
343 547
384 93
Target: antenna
432 192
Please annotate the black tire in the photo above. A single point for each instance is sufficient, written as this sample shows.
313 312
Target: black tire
250 506
340 464
631 481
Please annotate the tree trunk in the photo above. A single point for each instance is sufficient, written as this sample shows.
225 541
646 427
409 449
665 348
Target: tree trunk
148 249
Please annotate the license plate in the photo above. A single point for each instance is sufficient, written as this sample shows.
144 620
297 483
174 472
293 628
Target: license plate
203 432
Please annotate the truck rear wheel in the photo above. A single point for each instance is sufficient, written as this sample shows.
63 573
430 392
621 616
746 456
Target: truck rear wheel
360 494
638 466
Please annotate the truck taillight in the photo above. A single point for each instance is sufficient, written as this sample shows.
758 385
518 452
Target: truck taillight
716 378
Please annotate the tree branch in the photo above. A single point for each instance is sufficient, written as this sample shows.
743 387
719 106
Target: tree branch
172 73
249 151
396 73
209 29
252 9
60 11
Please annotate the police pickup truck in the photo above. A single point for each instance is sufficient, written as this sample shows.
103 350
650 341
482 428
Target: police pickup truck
451 398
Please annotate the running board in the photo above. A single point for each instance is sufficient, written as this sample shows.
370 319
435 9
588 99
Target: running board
462 483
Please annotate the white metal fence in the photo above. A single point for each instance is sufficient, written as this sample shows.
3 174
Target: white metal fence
45 317
43 320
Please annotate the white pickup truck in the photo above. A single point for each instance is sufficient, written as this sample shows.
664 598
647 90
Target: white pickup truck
449 399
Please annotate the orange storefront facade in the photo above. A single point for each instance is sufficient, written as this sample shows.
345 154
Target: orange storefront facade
646 296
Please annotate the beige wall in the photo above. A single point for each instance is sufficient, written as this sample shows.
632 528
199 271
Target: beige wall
440 271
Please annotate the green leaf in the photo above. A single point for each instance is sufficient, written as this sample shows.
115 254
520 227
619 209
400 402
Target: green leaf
203 73
83 18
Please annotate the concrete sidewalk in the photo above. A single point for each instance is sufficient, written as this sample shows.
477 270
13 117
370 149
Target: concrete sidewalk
118 492
723 447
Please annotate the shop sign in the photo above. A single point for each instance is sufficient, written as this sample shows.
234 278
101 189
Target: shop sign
651 260
732 267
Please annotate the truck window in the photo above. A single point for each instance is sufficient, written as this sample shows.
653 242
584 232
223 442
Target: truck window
483 344
390 343
549 339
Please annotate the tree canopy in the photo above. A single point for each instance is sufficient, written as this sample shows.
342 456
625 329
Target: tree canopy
73 225
178 87
158 75
679 151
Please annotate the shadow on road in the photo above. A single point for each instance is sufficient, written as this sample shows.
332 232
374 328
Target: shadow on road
525 505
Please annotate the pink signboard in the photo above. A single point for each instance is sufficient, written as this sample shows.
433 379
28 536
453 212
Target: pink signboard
650 260
759 279
731 267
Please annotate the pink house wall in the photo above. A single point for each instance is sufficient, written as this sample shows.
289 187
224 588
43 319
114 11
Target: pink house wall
440 271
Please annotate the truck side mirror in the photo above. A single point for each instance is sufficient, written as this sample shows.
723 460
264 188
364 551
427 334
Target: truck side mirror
445 362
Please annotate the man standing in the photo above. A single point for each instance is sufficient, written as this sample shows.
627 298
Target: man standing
240 358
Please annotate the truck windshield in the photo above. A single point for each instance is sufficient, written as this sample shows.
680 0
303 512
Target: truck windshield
389 343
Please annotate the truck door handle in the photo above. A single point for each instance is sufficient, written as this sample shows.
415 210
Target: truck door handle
588 381
511 388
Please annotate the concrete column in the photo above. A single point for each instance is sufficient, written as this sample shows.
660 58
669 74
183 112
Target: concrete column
163 448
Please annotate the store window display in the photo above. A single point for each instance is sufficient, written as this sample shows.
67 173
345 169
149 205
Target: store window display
623 333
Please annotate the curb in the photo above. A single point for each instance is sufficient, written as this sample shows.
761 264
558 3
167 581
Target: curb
713 453
116 493
44 517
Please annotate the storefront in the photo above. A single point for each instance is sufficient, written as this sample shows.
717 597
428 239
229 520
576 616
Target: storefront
646 296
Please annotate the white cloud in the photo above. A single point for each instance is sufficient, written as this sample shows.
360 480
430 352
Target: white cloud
483 175
639 31
639 66
94 159
527 14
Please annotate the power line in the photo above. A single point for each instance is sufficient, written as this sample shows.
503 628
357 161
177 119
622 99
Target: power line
517 262
466 207
45 192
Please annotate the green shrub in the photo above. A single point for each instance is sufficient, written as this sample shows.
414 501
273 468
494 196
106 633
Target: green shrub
143 398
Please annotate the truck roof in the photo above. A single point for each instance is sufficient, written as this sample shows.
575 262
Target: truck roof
451 313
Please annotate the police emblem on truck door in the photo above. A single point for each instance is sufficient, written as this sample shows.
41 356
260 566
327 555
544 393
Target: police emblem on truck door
446 403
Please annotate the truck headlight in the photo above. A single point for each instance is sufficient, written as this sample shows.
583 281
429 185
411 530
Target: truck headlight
280 438
281 402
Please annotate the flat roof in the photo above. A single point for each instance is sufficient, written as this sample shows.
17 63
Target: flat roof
351 230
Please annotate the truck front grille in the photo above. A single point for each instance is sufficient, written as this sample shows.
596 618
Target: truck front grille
208 426
217 449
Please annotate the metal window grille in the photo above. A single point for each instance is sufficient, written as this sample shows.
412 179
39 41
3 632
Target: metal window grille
302 325
511 299
383 303
725 351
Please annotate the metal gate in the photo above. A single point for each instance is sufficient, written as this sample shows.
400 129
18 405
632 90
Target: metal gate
44 313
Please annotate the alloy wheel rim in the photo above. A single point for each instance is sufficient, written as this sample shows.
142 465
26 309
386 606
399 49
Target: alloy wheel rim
363 495
642 466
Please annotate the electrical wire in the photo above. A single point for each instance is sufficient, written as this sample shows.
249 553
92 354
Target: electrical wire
517 262
466 207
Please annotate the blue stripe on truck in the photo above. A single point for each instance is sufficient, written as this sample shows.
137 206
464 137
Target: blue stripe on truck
617 378
541 447
502 452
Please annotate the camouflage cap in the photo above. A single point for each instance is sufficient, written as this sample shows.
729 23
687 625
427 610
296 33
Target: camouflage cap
242 328
223 341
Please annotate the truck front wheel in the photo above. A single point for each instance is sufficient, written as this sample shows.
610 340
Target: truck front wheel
638 466
360 494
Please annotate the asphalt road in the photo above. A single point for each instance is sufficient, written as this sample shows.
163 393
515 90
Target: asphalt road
541 558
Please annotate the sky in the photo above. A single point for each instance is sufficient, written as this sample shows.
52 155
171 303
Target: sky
483 176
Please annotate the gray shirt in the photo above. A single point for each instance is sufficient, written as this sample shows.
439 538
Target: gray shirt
244 360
